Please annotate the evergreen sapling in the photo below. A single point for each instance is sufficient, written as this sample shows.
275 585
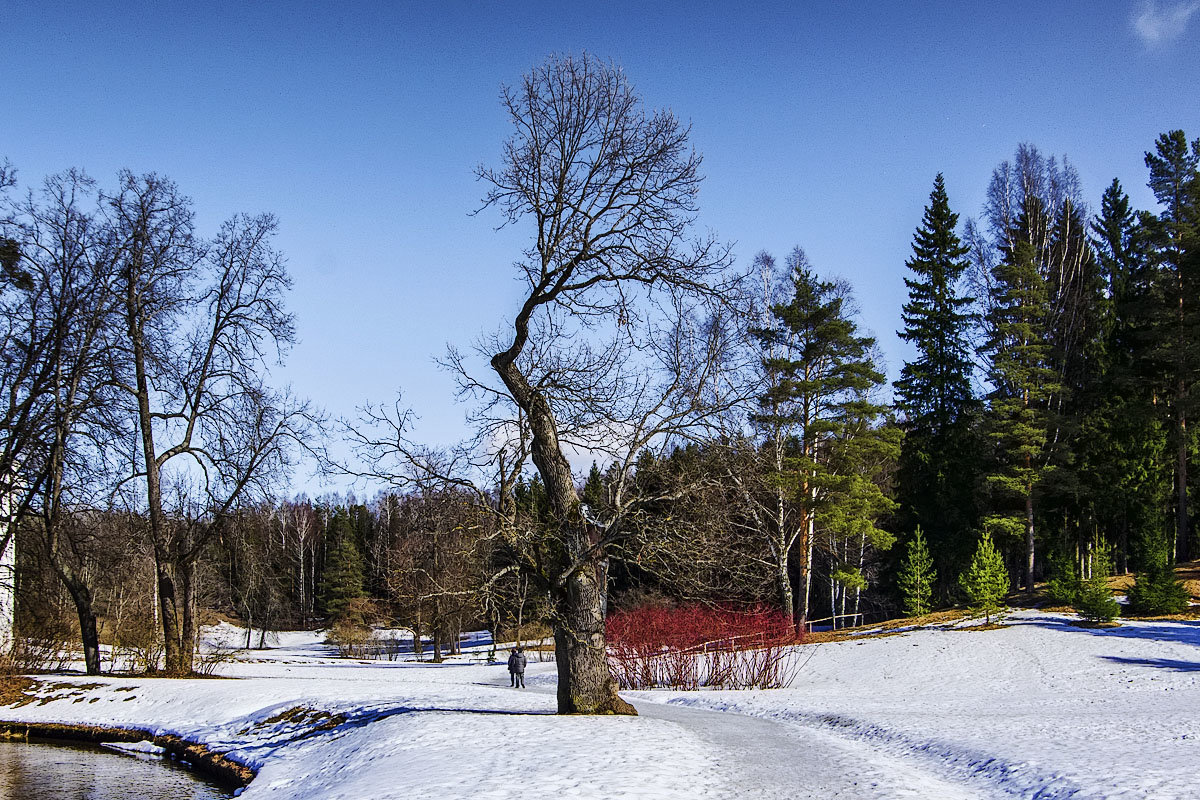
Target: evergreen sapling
986 581
1095 602
1158 592
917 577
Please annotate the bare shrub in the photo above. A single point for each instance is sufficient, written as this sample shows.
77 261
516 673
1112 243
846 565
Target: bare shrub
213 656
689 648
136 645
351 637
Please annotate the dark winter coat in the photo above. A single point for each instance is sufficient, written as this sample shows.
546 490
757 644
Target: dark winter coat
517 662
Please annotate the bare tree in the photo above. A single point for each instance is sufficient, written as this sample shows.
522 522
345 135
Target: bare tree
610 192
621 343
202 321
436 567
58 446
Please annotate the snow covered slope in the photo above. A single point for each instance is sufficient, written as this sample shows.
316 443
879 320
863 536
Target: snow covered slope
1038 709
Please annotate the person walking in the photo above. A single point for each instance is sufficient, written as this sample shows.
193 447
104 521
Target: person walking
516 668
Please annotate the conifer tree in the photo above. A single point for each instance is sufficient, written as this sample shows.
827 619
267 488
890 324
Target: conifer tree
1023 382
917 576
1157 592
939 455
1096 602
1121 447
342 579
821 368
1174 240
986 581
862 458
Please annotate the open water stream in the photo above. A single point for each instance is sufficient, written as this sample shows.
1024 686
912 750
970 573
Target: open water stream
35 771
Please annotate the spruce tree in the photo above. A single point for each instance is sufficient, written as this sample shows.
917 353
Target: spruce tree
1158 592
1173 237
917 577
986 581
342 578
1121 448
1023 382
1096 602
939 454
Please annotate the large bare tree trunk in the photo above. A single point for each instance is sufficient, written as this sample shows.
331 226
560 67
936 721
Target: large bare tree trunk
168 601
585 682
187 627
81 595
168 609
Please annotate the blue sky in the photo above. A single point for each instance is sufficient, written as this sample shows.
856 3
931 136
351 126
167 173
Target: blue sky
359 125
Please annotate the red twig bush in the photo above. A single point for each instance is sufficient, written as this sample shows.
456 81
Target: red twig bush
690 647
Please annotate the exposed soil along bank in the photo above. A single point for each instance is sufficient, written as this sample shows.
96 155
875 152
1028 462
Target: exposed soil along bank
213 766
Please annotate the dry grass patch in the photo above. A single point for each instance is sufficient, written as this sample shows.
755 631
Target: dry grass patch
891 627
17 691
310 719
987 626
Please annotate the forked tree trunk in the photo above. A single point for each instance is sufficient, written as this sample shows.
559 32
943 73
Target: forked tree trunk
585 682
81 596
168 607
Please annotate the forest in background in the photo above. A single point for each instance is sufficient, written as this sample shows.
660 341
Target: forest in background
1045 409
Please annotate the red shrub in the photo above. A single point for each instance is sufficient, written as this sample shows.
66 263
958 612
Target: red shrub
690 647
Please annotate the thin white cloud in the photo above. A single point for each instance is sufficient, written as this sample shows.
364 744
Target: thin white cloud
1157 23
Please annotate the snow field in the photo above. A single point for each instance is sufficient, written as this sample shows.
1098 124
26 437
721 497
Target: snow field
1040 709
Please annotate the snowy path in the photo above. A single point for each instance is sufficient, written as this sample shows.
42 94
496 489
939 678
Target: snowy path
1037 710
763 757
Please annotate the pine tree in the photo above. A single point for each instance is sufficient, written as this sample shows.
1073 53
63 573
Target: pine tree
1121 446
862 458
1096 602
820 370
1158 592
1174 250
917 577
986 581
939 454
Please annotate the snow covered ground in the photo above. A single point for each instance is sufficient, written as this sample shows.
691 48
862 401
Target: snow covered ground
1040 709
